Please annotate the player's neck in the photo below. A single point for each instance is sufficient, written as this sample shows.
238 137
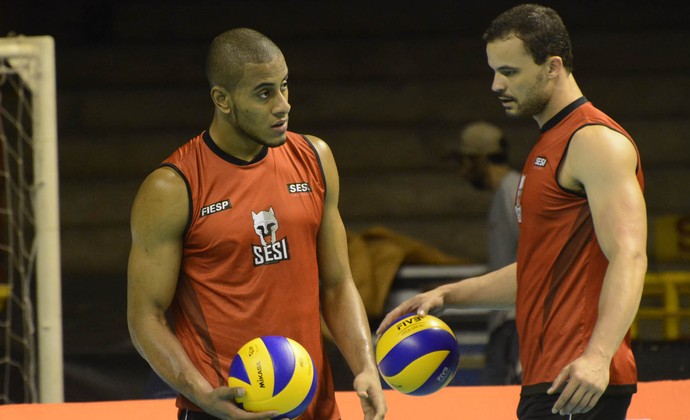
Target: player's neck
232 142
565 92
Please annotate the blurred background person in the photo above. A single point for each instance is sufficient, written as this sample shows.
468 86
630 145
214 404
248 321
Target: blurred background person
482 153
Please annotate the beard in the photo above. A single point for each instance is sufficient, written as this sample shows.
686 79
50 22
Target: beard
532 105
534 101
242 128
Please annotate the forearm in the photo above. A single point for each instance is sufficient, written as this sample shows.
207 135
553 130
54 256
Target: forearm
496 289
618 303
347 321
157 344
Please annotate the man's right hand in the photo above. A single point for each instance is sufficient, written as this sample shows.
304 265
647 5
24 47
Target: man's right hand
420 304
221 403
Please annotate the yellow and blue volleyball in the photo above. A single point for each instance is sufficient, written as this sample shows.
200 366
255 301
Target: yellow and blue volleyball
417 355
278 375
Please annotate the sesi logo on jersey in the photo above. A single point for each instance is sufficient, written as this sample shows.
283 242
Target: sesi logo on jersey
271 253
272 250
540 161
299 187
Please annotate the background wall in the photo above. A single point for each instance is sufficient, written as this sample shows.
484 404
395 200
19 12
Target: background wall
387 84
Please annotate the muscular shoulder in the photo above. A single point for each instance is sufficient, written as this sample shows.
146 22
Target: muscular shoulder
161 202
319 144
328 164
163 184
323 150
595 151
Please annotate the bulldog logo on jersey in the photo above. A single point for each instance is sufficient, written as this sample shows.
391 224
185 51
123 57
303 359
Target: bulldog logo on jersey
271 250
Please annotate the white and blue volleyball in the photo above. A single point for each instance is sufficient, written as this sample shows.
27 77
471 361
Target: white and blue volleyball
417 355
277 373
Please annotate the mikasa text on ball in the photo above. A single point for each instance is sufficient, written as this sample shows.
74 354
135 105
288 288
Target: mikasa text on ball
417 355
277 373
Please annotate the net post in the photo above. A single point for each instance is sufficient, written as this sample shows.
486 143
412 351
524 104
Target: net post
48 266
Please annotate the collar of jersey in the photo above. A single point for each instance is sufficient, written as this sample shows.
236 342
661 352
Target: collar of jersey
227 156
563 113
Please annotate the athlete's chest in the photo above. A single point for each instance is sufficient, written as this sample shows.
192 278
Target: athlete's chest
263 212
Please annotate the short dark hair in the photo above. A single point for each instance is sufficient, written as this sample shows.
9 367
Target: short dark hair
231 50
540 28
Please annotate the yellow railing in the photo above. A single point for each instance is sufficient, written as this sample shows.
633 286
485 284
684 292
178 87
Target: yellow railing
4 295
672 290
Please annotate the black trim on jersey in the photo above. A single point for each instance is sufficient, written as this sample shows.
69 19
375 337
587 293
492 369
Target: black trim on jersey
583 193
541 388
318 159
563 113
189 195
227 156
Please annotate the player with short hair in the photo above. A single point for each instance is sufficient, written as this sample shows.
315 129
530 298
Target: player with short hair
239 235
582 257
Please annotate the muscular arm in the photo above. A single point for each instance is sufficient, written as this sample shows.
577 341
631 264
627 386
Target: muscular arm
158 220
495 290
341 304
620 220
604 162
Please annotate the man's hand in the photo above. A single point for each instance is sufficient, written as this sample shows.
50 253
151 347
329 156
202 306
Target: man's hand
368 388
420 304
221 403
581 384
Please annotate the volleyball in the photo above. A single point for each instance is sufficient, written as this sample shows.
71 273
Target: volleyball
417 355
277 373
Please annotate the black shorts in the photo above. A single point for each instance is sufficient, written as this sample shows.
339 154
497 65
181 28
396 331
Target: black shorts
538 407
194 415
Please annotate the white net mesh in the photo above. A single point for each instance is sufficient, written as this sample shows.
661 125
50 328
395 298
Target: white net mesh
18 360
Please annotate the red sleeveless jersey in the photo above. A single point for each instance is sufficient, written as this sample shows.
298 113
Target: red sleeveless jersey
249 265
560 266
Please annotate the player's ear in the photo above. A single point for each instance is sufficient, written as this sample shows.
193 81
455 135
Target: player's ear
221 99
555 64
